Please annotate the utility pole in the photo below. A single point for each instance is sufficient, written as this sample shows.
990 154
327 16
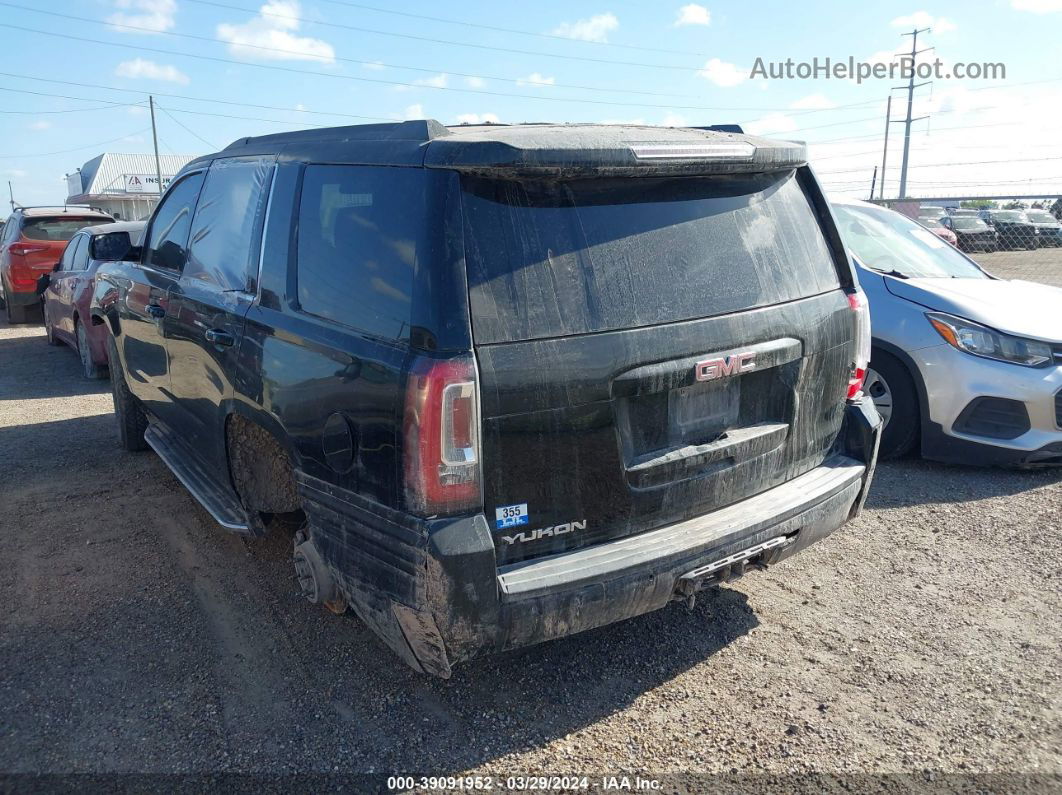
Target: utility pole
910 101
11 193
873 179
885 150
155 141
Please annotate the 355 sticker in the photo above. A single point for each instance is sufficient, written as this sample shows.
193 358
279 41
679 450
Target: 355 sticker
510 516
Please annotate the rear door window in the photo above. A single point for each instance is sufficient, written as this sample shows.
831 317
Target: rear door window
361 231
549 259
227 222
66 263
62 228
167 242
80 262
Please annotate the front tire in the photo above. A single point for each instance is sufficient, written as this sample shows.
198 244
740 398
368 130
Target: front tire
49 332
893 391
91 370
132 422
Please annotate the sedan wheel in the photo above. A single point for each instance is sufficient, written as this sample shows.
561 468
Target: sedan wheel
91 369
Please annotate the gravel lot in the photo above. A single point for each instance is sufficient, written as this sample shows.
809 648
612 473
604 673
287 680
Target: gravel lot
139 636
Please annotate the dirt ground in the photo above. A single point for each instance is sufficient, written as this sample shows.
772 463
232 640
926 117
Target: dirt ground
137 636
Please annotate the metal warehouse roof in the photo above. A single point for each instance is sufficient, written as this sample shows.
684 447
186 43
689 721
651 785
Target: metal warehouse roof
103 174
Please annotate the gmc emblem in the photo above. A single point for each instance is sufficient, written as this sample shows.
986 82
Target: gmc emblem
710 369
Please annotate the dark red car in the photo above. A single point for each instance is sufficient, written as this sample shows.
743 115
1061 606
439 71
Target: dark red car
70 285
33 239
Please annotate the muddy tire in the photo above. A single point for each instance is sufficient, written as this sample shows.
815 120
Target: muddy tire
132 422
17 314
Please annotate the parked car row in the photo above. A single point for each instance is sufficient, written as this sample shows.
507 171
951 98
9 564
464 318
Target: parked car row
993 229
33 240
506 383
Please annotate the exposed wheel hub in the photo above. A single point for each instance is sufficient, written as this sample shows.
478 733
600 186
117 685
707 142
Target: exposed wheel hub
315 580
880 393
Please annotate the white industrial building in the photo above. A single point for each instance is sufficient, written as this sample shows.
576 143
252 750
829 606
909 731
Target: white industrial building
126 186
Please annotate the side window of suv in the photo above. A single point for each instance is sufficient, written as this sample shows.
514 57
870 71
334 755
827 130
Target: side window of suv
360 230
227 220
167 242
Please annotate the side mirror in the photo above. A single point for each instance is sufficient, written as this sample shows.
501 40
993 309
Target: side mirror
42 283
56 267
113 246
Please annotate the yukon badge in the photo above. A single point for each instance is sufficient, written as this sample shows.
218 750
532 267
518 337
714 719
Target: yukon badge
544 532
721 366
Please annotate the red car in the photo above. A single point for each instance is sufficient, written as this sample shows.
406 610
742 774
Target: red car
69 289
33 239
935 226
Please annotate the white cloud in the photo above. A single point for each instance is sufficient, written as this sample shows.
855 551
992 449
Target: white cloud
374 66
536 79
475 82
274 28
771 124
414 112
156 15
639 122
723 74
693 14
477 118
300 107
436 81
149 70
1038 6
41 124
813 102
923 19
674 120
596 28
136 110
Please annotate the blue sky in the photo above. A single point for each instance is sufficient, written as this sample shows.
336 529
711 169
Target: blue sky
312 61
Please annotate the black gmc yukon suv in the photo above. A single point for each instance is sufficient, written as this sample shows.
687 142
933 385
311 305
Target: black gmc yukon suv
506 383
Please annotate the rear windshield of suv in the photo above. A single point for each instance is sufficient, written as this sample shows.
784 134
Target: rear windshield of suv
61 228
552 258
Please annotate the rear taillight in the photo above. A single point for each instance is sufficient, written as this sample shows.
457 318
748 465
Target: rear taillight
22 249
857 301
441 430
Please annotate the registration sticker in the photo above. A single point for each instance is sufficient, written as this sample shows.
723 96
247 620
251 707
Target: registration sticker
510 516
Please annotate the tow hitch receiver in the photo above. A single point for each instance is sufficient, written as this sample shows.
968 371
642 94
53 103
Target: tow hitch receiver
723 570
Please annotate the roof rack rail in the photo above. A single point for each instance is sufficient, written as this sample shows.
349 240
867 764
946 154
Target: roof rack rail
57 206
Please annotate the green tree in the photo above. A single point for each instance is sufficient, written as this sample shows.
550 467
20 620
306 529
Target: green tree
977 204
1014 206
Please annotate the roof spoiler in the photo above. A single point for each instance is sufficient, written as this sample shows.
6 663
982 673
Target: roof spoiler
727 128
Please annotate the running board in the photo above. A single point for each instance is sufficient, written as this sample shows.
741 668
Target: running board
219 501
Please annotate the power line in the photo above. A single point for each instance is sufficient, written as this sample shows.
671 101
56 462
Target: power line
186 129
950 165
324 58
414 85
177 96
499 29
380 81
451 43
78 148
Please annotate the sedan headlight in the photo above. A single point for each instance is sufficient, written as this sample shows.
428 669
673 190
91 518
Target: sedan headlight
988 343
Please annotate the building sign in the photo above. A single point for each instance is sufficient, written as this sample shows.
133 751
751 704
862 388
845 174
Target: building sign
144 183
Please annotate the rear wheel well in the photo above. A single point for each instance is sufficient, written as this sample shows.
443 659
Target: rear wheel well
262 472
